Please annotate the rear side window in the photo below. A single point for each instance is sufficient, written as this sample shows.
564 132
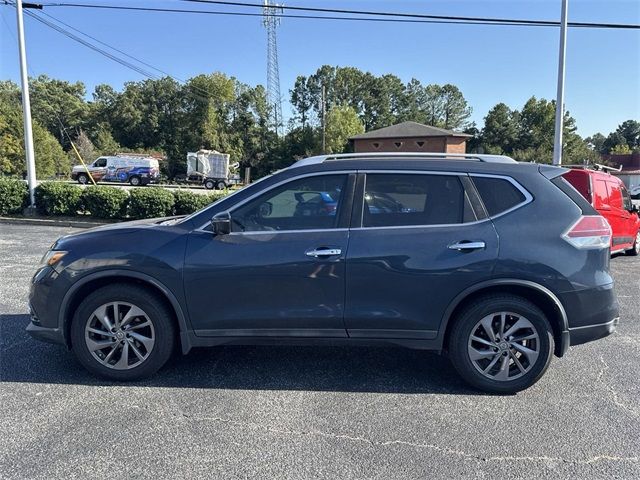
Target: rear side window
498 194
415 199
615 195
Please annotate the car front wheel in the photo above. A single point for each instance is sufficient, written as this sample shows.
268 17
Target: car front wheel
501 344
123 332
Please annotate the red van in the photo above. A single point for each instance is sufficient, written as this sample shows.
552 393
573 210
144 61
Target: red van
610 198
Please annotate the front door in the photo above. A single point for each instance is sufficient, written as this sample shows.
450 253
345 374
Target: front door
421 242
281 270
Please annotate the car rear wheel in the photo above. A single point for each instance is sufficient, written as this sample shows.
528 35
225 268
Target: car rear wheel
501 344
635 250
122 332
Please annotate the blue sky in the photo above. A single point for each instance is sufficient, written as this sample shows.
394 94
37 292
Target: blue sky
489 64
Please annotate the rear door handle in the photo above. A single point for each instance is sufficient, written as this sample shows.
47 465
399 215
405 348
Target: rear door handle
323 252
467 246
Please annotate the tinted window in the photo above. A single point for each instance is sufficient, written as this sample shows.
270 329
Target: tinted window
308 203
498 194
414 199
101 162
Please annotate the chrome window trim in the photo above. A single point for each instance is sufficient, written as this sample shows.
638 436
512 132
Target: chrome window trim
276 185
274 232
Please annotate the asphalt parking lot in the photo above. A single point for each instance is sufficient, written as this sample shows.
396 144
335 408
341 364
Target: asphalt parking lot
268 412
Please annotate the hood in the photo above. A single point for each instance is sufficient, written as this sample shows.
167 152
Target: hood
78 168
117 228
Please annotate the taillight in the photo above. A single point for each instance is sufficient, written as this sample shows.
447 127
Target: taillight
589 232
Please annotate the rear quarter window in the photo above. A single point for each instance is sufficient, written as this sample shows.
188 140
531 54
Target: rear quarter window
498 194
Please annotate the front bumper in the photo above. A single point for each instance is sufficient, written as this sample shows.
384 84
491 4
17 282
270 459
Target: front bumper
45 334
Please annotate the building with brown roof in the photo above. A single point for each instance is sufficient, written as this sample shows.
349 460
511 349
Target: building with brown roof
410 137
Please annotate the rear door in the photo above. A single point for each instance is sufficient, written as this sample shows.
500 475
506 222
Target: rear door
417 240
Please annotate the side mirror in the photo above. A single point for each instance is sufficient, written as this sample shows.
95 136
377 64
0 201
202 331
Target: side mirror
221 223
634 208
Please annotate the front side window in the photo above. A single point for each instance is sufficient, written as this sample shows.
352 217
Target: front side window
305 204
101 162
627 204
414 199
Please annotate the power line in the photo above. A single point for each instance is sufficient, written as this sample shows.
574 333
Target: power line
451 20
193 90
111 47
419 15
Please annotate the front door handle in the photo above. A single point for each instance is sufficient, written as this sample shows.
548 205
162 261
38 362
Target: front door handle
323 252
461 246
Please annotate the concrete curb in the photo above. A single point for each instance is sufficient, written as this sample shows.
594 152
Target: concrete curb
52 222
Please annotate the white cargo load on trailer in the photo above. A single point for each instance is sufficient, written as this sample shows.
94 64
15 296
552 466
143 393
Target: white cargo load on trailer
208 163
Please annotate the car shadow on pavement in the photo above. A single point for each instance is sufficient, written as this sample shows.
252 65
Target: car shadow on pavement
347 369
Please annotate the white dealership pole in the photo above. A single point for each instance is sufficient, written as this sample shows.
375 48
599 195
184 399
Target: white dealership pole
26 108
557 145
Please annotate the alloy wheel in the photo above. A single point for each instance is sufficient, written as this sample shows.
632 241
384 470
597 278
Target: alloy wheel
504 346
119 335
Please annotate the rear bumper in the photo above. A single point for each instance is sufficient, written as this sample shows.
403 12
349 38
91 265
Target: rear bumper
591 313
588 333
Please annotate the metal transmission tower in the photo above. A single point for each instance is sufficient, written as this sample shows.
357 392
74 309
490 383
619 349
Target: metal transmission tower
271 22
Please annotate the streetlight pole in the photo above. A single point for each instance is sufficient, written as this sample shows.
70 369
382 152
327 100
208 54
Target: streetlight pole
557 145
26 108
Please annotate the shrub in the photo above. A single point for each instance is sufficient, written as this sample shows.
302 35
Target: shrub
14 195
150 202
188 202
105 202
58 198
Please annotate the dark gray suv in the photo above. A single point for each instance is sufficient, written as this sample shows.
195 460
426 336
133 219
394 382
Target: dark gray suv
496 263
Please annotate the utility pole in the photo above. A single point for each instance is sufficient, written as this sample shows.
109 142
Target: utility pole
324 122
557 145
26 109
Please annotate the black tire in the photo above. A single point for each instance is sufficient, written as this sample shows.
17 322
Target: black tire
135 181
209 184
466 324
157 313
635 250
83 178
221 185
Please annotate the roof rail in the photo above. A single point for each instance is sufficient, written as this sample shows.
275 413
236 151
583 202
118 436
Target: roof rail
411 155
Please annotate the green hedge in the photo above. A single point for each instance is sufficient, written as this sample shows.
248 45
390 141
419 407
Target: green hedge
14 195
105 202
58 198
187 202
150 202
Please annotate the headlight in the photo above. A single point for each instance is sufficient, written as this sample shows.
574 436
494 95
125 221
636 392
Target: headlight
52 257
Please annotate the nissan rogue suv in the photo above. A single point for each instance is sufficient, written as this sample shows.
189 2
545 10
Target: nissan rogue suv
498 264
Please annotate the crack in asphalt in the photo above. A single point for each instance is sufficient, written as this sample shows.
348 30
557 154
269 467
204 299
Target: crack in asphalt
387 443
614 394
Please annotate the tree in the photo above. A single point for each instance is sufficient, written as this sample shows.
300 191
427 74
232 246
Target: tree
456 111
596 141
49 156
342 123
621 149
501 129
630 130
58 105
